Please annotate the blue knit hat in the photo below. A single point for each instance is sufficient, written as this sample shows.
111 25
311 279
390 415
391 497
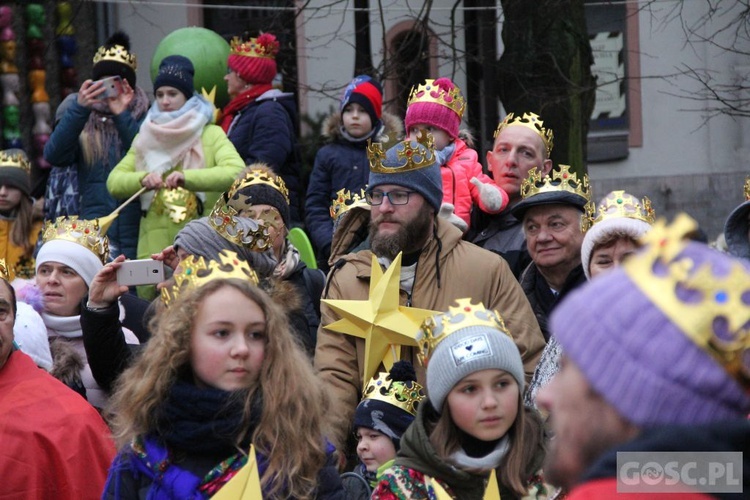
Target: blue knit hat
411 164
178 72
366 92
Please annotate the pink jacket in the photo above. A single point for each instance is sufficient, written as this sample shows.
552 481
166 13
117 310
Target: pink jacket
457 186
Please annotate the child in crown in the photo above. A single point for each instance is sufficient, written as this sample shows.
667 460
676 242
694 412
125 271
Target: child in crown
379 423
221 372
474 420
437 107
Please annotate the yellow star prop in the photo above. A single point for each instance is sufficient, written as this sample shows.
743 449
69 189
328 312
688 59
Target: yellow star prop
245 484
491 493
381 321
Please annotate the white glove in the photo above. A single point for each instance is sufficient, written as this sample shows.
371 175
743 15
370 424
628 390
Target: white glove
446 212
490 195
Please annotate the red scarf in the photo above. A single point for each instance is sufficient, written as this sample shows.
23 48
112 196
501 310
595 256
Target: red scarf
239 102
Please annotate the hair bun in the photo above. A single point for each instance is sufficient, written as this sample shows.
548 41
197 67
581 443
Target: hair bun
118 38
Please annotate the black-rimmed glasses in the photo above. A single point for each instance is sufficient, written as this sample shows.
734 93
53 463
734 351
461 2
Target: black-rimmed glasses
375 197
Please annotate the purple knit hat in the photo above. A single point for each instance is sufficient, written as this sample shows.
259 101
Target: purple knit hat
629 337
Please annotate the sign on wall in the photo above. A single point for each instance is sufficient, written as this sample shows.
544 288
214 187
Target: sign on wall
609 68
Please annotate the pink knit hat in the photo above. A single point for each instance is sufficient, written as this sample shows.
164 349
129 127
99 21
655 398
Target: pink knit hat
254 60
438 103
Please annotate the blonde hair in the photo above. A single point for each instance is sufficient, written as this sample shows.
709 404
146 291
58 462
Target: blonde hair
526 443
291 431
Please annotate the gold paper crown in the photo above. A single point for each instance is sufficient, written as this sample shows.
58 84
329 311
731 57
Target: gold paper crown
18 159
421 156
618 204
747 189
531 121
116 53
259 176
405 395
223 219
558 180
465 314
4 270
86 233
429 92
345 201
265 46
196 271
721 303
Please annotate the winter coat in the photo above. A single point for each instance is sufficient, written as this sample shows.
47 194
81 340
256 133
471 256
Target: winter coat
601 479
503 234
305 318
457 173
157 231
448 269
16 261
265 131
64 148
341 164
541 298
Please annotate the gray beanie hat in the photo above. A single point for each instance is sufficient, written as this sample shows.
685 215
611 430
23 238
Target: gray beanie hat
412 164
199 238
467 339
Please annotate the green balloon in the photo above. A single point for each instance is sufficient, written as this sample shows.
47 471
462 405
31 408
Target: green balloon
208 52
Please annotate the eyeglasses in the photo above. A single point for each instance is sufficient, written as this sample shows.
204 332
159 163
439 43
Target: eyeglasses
375 198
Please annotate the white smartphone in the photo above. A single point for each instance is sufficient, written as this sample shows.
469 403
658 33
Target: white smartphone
112 87
140 272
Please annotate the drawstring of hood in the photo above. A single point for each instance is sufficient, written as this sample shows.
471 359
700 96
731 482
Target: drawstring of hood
437 254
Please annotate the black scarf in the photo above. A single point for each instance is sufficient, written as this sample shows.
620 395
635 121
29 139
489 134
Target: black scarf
205 420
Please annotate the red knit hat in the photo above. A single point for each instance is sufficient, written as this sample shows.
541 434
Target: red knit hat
438 103
254 60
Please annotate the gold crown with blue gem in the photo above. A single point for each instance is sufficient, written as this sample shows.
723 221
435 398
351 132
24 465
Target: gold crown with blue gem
531 121
116 53
345 201
195 271
416 154
87 233
405 395
719 320
437 328
431 93
620 204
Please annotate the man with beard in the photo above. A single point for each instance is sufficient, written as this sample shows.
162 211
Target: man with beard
655 359
405 194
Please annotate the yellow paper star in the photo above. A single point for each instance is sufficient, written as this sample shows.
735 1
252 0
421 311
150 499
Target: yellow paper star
491 493
440 492
381 321
245 484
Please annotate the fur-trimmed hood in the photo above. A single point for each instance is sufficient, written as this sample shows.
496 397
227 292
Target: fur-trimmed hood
392 132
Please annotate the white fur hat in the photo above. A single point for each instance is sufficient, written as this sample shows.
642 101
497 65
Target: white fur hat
31 335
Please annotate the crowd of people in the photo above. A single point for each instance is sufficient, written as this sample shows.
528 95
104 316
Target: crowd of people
557 332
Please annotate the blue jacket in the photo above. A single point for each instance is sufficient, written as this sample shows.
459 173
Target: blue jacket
64 148
265 131
342 164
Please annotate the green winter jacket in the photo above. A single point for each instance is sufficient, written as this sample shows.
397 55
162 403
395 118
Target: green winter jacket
157 231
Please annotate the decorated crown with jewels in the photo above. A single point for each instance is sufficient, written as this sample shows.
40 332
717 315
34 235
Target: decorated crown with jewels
195 271
415 157
746 189
531 121
405 395
4 270
259 176
15 158
711 310
86 233
116 53
265 46
223 219
437 328
557 180
618 204
345 201
429 92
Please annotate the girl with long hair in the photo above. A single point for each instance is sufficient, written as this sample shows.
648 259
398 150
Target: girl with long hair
221 372
474 420
18 229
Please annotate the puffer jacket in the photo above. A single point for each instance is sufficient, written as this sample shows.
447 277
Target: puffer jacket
265 131
458 190
64 148
342 164
448 269
222 165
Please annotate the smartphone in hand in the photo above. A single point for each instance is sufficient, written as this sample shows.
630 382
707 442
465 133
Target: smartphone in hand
112 86
140 272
